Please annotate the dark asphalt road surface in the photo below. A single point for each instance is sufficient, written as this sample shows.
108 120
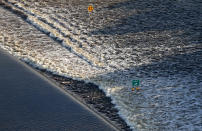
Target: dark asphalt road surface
29 102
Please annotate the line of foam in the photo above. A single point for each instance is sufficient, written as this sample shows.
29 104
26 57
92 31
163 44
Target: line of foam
56 33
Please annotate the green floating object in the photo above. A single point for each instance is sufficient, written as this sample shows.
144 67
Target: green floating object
135 83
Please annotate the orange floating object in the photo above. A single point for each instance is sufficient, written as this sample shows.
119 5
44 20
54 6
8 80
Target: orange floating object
133 89
90 8
137 88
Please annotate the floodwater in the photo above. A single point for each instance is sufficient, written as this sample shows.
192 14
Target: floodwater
158 43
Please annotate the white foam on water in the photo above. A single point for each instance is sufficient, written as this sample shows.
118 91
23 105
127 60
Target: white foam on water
167 102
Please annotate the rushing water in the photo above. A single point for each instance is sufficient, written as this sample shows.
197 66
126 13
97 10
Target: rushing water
158 43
